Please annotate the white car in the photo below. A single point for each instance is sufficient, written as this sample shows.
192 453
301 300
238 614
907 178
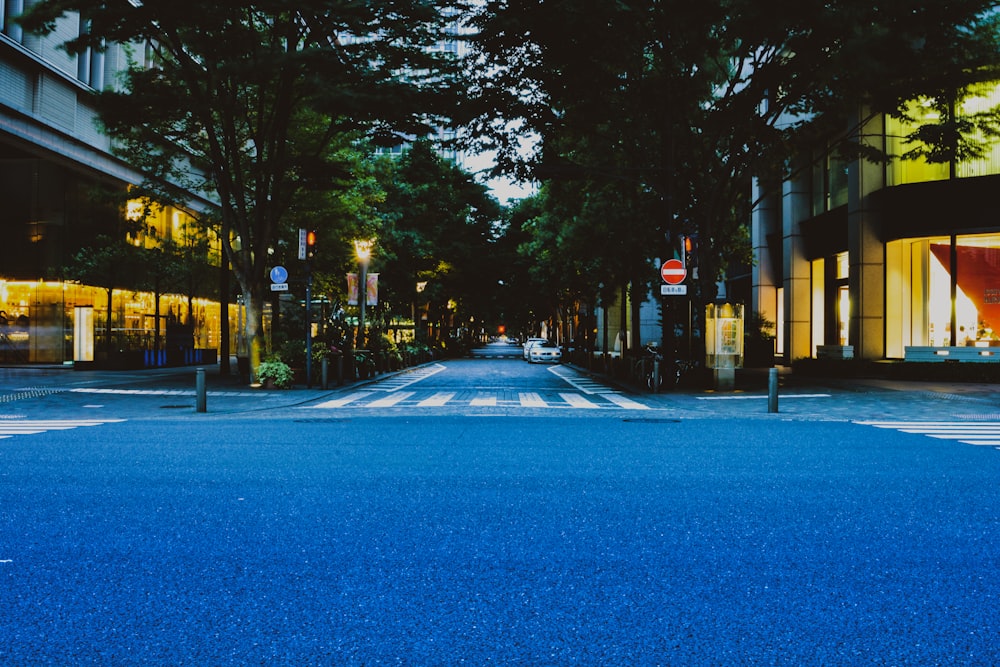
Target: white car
531 342
544 352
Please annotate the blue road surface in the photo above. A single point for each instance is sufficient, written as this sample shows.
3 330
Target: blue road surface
497 540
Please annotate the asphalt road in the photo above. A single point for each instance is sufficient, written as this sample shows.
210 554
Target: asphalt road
316 537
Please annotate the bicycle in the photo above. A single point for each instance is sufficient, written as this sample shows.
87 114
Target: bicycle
655 370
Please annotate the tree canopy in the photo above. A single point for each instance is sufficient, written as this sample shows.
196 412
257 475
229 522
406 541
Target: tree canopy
653 117
246 102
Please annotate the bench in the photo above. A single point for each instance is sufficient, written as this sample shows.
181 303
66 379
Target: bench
947 353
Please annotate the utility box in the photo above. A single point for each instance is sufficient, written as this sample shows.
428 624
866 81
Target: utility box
724 343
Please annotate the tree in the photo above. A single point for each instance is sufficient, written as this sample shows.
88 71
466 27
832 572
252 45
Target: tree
242 102
671 108
439 227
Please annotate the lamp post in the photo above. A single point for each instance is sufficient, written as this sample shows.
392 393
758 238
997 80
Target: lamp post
363 249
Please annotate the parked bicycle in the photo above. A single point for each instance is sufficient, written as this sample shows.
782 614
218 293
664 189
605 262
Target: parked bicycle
659 373
654 367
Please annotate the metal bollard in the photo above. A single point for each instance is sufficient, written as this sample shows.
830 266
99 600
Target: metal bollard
656 376
325 373
772 390
202 403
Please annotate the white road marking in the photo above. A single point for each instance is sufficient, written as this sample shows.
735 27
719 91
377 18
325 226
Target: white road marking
343 400
625 402
577 401
745 397
527 399
390 400
160 392
438 400
35 426
530 399
580 382
407 378
969 433
483 401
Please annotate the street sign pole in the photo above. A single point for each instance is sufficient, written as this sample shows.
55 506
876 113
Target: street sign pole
309 283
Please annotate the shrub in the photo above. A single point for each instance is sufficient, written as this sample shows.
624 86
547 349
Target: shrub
276 371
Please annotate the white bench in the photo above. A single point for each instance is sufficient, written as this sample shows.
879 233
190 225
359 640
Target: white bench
964 353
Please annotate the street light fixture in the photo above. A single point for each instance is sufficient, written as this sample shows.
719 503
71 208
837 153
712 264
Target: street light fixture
363 250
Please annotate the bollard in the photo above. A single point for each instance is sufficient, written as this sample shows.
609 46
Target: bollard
199 376
340 370
772 390
325 374
656 376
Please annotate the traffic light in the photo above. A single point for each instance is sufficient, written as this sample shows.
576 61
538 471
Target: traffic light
310 243
691 255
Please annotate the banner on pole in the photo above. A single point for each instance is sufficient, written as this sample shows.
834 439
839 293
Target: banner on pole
371 289
352 289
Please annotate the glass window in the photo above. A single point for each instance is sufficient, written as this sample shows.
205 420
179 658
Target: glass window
11 10
978 276
899 171
977 291
981 102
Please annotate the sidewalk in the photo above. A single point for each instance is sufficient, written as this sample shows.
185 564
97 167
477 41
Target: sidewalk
63 390
822 399
830 399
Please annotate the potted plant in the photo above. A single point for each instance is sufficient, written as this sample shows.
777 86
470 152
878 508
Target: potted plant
274 373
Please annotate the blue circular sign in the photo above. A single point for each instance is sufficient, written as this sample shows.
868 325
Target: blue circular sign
279 274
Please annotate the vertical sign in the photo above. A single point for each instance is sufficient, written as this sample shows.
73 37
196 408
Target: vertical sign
302 244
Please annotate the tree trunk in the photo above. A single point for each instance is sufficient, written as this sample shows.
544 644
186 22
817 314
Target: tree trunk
254 300
224 347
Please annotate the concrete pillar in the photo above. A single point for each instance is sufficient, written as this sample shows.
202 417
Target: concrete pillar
796 207
866 252
765 233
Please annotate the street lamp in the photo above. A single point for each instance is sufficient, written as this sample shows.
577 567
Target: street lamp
363 250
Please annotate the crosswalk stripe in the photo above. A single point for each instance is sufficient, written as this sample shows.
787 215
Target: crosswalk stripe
970 433
484 401
530 399
406 378
368 399
390 400
579 382
35 426
577 401
438 400
344 400
625 402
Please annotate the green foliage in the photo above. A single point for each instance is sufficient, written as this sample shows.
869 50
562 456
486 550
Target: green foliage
440 228
654 117
246 104
275 371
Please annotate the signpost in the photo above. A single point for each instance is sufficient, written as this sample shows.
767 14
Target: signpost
673 274
279 279
303 235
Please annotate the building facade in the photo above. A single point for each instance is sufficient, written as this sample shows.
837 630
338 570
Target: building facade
62 188
883 260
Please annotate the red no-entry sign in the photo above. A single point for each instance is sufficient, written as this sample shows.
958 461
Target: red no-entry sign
673 272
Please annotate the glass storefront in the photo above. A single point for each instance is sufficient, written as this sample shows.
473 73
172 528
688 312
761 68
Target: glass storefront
951 292
37 323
